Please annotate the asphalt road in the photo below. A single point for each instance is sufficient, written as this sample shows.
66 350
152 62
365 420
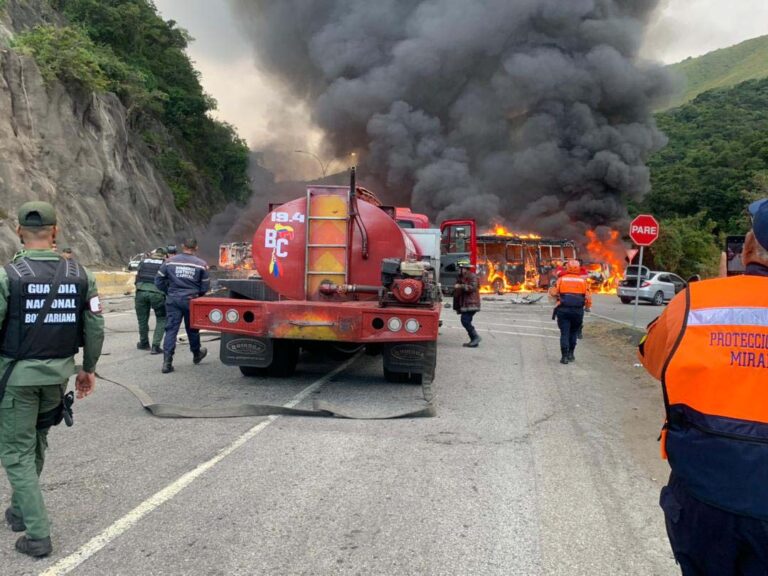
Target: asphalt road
609 307
529 467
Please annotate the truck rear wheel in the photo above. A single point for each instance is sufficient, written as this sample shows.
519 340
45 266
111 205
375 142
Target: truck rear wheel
396 377
252 371
285 357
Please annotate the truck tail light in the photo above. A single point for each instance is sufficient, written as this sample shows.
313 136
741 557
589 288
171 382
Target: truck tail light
394 324
216 316
233 316
412 325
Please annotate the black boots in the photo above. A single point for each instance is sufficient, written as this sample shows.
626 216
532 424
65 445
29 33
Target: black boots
142 345
474 340
15 522
566 355
196 358
34 548
25 544
199 355
156 349
167 364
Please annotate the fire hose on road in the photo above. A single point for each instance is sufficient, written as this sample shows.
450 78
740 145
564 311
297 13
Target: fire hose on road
320 408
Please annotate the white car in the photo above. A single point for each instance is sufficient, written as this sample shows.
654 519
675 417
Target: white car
656 287
135 261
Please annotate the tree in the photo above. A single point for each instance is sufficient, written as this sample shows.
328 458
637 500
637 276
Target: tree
687 246
717 156
124 46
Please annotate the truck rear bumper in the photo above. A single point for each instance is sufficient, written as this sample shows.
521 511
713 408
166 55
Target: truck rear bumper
359 322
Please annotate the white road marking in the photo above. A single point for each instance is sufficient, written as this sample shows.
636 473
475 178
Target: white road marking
528 317
481 323
615 320
69 563
488 330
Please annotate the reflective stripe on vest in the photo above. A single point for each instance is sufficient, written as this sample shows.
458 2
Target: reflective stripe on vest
716 392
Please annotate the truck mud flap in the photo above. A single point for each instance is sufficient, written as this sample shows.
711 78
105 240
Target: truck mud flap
417 359
237 350
411 357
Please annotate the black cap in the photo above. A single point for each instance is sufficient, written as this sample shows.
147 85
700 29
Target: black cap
172 249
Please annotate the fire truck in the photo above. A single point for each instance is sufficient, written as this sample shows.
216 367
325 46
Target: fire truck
340 271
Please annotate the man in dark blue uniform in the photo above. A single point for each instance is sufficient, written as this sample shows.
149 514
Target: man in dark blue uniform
181 278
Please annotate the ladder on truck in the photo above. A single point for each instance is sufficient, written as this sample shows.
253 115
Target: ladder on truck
327 241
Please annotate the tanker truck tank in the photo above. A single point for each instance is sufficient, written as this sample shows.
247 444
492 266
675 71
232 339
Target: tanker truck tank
315 240
336 272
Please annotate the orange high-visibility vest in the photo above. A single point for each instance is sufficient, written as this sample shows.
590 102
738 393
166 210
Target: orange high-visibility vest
715 382
573 291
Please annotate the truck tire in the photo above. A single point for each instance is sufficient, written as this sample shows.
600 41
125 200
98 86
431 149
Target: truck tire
284 360
252 371
286 357
396 377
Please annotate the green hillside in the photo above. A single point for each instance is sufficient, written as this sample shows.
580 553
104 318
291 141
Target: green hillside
723 68
717 157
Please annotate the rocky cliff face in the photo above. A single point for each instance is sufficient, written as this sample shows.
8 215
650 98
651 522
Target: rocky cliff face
75 151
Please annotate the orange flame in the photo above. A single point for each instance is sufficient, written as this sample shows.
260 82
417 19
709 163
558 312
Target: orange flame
495 281
606 273
235 256
500 230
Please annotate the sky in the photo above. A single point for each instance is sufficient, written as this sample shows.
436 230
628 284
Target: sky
260 110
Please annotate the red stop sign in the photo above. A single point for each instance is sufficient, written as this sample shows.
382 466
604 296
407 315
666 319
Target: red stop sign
644 230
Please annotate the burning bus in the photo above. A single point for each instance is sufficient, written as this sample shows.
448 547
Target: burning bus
509 262
235 256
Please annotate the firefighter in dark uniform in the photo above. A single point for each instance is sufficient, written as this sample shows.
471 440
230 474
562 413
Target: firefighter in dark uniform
466 300
150 297
182 278
42 328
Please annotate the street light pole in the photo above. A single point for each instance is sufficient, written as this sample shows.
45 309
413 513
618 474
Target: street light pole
323 167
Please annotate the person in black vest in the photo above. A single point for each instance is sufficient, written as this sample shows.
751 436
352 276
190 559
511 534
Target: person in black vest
49 306
182 278
150 297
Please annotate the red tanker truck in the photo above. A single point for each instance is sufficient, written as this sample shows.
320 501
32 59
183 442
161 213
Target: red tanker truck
337 271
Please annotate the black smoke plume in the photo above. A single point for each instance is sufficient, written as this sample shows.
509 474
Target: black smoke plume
537 112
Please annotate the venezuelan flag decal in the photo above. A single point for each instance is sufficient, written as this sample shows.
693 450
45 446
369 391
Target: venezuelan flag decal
274 266
284 231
